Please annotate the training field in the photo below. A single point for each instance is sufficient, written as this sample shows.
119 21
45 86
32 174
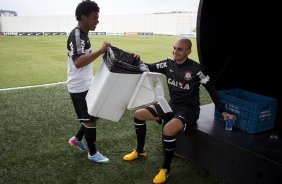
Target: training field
36 123
43 59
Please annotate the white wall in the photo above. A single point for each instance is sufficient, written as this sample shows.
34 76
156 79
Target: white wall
172 24
37 24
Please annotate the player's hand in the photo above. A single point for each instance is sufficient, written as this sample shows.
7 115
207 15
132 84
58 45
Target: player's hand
143 67
136 56
104 47
226 116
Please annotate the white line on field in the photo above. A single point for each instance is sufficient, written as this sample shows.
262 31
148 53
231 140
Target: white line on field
35 86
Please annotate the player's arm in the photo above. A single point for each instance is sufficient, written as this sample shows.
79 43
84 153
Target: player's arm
85 59
205 80
208 84
159 67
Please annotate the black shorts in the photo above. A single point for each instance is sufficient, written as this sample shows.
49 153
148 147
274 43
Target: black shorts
80 106
188 118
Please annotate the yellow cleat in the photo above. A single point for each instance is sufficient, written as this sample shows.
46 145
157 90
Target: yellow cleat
161 176
134 155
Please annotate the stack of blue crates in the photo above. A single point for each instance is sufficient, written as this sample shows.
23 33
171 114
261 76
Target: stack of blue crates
255 113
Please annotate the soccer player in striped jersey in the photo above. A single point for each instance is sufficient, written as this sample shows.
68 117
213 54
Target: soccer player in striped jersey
80 75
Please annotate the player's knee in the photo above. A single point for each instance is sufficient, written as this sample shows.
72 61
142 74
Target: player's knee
172 129
168 131
139 114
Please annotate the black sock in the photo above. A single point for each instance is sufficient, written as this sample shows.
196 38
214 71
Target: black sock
90 136
80 133
140 128
169 145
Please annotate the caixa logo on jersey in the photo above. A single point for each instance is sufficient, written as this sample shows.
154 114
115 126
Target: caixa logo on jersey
178 84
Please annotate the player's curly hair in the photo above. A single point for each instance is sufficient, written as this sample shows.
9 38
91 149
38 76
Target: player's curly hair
85 8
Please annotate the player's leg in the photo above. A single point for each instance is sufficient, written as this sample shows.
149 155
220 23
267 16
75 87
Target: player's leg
89 124
140 117
76 140
179 123
170 130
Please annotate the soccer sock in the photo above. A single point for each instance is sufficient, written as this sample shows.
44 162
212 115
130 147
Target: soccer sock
90 136
140 128
169 145
80 133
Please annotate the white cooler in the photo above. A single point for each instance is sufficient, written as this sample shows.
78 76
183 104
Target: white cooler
110 94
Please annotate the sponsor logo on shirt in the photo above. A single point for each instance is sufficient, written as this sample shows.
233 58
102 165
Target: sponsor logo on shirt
82 45
161 65
178 84
204 78
188 75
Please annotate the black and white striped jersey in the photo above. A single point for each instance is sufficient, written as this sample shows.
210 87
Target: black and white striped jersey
79 79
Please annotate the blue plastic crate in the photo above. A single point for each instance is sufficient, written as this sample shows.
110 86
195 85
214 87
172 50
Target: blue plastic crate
255 113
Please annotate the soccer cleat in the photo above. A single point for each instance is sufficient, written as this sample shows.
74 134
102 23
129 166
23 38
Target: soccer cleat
161 176
74 142
98 157
134 155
